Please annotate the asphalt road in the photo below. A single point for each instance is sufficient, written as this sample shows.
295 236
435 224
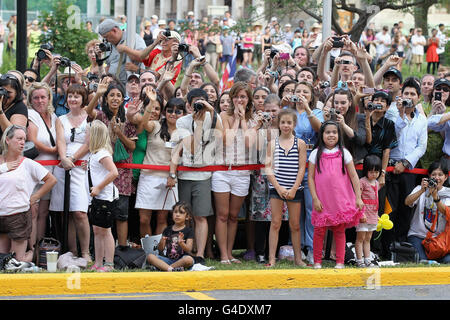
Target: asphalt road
429 292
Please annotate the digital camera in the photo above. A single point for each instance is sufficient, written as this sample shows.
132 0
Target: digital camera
273 53
333 114
198 106
374 106
407 103
432 183
337 42
105 46
183 47
41 55
324 84
65 62
295 99
4 93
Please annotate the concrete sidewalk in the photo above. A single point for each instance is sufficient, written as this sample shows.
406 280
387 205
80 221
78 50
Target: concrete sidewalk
30 284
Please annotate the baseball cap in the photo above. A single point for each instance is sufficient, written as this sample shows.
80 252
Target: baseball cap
107 25
133 75
274 19
174 35
440 82
161 22
190 13
395 72
155 17
288 25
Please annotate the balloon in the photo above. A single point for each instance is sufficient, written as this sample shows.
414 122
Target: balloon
384 217
379 227
387 224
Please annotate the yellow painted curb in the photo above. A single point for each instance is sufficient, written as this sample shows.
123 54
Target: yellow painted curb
148 282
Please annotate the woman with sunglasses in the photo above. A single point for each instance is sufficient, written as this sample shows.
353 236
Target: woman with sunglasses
42 132
12 109
123 138
18 177
153 191
72 145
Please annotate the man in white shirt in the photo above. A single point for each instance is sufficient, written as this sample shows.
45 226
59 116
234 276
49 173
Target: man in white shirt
418 42
412 136
383 42
442 42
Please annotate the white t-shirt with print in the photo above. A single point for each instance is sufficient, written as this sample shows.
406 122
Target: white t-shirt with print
425 200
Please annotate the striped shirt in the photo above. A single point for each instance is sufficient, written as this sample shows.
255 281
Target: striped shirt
285 166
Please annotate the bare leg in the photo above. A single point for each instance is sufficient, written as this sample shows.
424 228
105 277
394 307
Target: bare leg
294 225
145 216
232 224
276 206
222 200
161 221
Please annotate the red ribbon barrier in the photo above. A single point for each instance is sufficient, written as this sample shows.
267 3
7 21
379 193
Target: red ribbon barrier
207 168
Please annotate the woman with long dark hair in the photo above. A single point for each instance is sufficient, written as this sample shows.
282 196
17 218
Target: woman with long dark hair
123 139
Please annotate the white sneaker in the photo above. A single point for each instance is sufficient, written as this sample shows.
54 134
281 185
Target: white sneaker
317 266
339 266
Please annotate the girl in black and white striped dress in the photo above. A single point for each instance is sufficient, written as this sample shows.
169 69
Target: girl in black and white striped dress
285 168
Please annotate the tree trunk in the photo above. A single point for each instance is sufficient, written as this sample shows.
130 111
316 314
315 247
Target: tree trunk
421 16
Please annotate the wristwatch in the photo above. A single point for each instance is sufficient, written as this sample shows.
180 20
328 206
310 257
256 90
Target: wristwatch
405 163
173 175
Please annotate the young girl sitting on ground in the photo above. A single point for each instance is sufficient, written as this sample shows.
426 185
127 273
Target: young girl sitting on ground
102 172
332 178
176 242
368 223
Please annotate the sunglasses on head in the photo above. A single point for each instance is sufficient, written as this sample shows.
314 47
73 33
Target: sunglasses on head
172 110
8 76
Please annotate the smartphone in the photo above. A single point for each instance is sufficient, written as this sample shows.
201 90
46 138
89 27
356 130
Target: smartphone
284 56
438 96
368 90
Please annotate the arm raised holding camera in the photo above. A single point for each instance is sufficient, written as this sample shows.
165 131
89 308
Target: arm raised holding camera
321 68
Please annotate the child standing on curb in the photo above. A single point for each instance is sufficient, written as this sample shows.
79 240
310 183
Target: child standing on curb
332 178
102 172
285 168
176 241
368 223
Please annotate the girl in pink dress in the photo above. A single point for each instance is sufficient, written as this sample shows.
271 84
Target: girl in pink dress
332 178
368 223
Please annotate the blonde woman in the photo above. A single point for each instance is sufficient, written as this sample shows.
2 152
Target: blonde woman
42 132
94 68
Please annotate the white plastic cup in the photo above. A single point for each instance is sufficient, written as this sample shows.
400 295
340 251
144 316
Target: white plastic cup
52 260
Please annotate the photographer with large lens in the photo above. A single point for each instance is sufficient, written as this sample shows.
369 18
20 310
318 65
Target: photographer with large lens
116 63
12 109
156 59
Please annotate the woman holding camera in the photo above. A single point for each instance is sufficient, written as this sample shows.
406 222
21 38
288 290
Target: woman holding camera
353 126
152 191
430 199
71 132
42 132
12 110
18 177
309 120
94 68
123 137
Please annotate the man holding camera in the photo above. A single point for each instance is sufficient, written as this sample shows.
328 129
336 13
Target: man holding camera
411 131
195 147
117 60
155 58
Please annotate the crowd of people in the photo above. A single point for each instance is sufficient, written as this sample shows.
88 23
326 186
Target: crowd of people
309 123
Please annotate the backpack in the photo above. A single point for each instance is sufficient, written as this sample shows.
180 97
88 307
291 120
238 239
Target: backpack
350 255
404 252
129 258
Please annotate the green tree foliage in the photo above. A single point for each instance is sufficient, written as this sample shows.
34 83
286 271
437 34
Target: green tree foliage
67 37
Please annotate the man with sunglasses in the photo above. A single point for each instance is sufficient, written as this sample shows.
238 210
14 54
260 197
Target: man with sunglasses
30 76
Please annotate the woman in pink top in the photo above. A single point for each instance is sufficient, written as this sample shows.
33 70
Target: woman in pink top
248 46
